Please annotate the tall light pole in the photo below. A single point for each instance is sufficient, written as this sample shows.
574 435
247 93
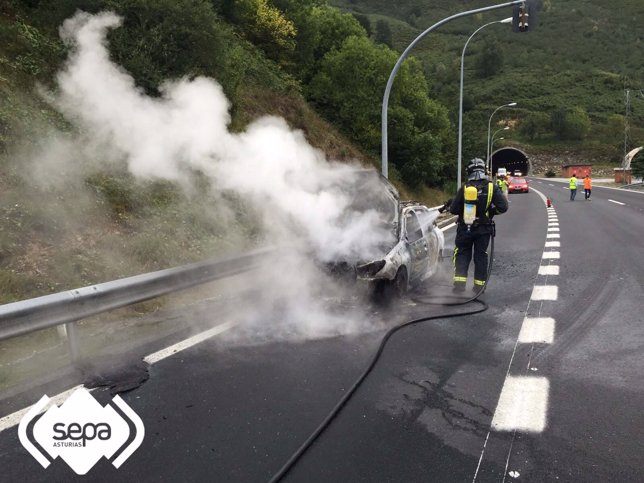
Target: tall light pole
460 101
488 162
497 139
489 127
405 54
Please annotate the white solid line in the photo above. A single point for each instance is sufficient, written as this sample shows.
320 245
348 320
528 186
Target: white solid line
523 405
552 235
447 227
553 244
617 202
187 343
549 270
553 229
14 418
551 255
545 292
11 420
537 330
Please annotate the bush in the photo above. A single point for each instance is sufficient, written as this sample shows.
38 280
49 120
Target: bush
570 124
550 173
348 90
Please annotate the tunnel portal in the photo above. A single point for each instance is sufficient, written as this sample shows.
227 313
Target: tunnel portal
512 159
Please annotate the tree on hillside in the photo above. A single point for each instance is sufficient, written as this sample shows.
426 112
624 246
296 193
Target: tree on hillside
348 89
264 25
320 28
383 33
167 39
490 61
364 21
535 126
570 124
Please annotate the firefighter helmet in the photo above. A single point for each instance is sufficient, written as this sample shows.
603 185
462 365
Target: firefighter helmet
476 169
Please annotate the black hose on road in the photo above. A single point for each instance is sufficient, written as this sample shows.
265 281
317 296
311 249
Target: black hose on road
295 457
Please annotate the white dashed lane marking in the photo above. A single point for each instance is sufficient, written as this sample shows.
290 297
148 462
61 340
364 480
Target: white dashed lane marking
545 292
552 235
549 270
553 244
551 255
617 202
553 229
537 330
523 405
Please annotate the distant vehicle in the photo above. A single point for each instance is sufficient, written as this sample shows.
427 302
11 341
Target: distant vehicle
518 185
501 172
518 173
412 256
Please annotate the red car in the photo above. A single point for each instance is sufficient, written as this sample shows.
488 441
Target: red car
518 185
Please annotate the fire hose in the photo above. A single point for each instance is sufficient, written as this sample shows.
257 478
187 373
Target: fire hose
295 457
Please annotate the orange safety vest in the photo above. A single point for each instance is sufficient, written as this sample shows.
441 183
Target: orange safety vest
587 184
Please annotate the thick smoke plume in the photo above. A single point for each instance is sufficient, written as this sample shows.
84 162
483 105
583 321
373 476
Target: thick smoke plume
306 201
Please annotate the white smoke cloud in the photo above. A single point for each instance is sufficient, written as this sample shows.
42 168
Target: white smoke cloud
187 128
304 199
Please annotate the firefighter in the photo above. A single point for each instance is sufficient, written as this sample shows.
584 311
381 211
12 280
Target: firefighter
476 203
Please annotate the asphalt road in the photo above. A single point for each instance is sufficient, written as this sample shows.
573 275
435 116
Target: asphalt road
476 398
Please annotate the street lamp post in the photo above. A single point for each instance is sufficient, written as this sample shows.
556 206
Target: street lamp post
498 139
460 101
489 127
489 160
404 55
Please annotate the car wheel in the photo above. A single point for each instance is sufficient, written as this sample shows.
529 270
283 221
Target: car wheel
399 284
387 290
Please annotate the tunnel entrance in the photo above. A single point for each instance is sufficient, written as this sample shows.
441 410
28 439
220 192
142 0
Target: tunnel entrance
512 159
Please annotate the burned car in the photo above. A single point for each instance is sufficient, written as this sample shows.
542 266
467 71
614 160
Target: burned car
413 251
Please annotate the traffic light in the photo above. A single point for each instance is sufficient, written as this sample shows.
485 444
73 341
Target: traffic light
524 16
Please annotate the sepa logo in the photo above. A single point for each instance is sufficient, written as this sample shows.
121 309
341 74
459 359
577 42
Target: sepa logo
81 431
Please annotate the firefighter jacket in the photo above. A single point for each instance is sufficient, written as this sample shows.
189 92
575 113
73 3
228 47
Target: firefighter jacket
488 204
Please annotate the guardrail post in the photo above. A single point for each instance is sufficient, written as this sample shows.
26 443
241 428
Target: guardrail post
72 341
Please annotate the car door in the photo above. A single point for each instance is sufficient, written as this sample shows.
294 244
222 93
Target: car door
418 246
430 232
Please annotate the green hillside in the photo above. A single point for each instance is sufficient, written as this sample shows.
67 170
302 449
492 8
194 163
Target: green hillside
321 68
583 54
72 216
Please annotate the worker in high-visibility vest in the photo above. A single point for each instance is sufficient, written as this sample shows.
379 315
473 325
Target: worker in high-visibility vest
502 183
475 203
573 186
588 186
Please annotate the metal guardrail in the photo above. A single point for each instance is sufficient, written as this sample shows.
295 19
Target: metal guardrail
26 316
634 186
69 307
